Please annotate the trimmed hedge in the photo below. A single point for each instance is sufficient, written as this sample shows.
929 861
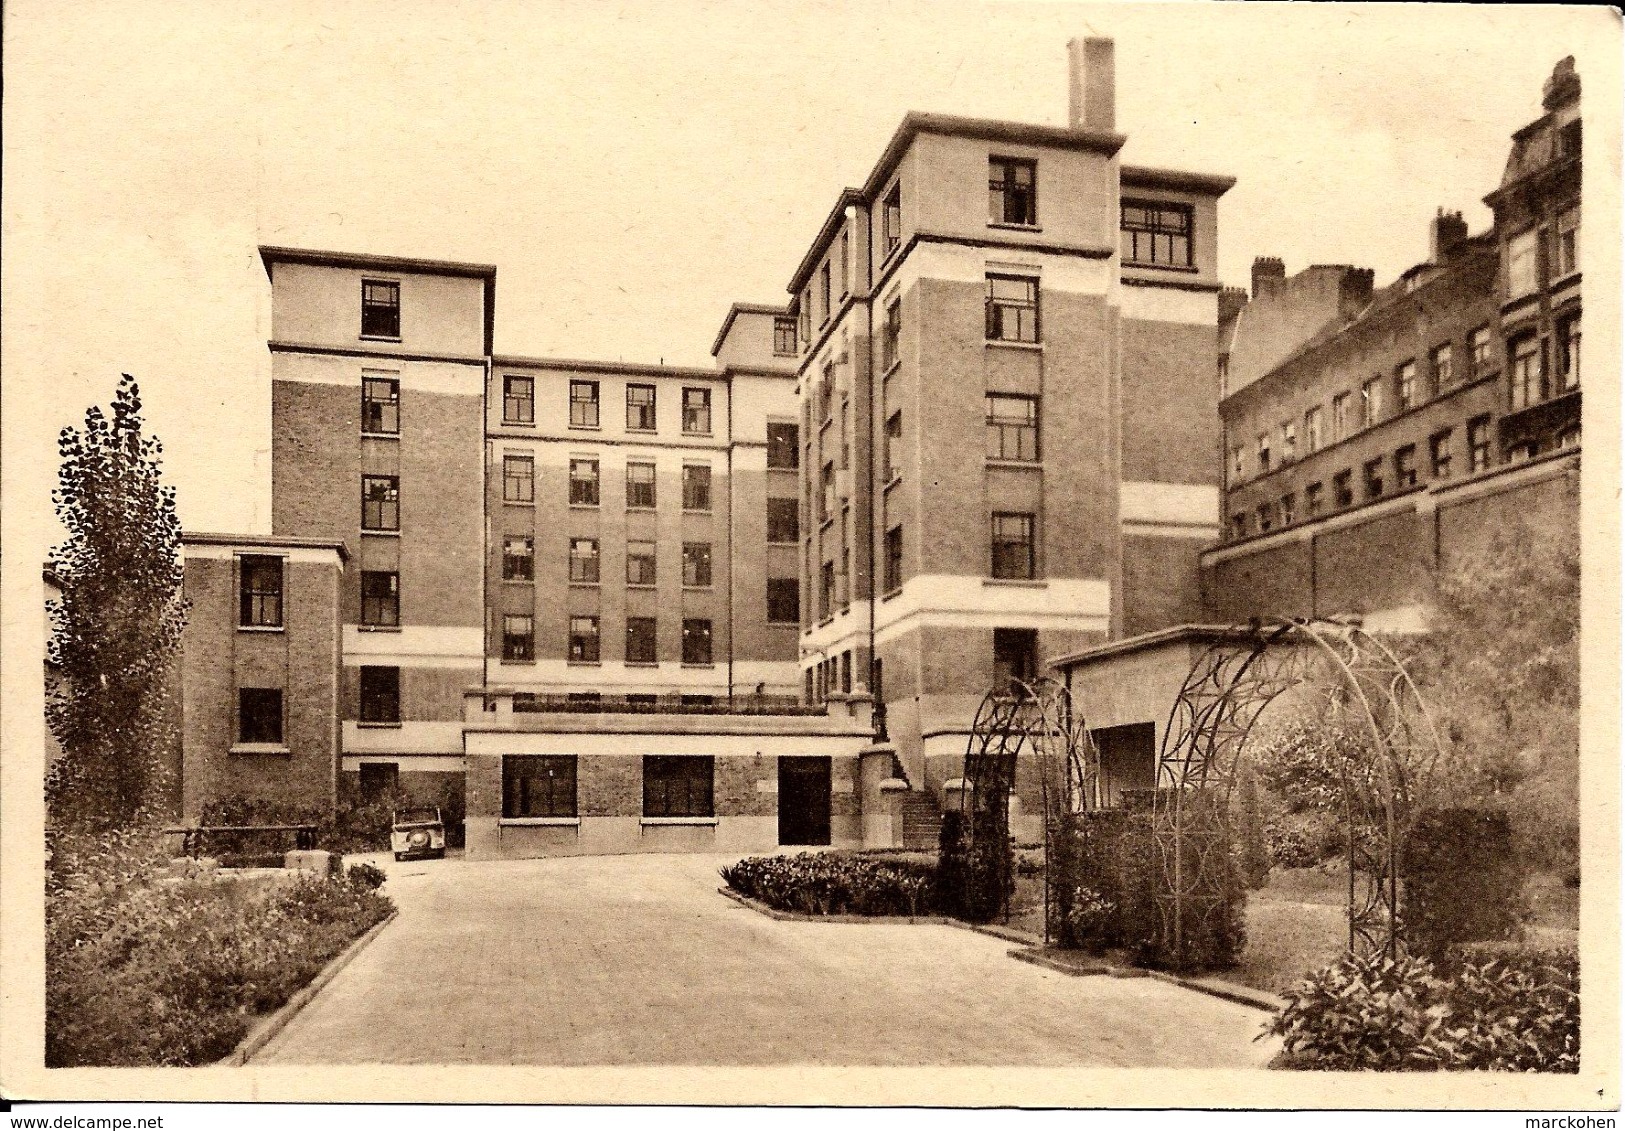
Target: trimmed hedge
1517 1011
1463 881
837 883
974 881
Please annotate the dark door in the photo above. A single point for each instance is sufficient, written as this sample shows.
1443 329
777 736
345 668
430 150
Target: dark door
803 800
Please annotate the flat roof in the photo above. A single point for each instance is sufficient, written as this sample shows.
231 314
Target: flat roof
1142 176
315 258
640 369
210 538
735 311
1178 634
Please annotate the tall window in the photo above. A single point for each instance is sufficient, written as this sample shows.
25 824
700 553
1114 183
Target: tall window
696 641
380 502
784 337
1012 192
783 600
1015 657
584 483
1566 251
1478 443
1479 344
584 561
826 504
518 479
538 785
640 408
894 559
1235 463
381 405
894 445
518 638
825 304
1568 354
826 394
260 591
1263 452
1266 517
846 262
1013 546
583 404
1343 489
518 400
1528 378
583 640
1012 427
826 589
380 309
1156 233
640 485
1373 478
380 598
1340 417
1523 258
1370 402
1314 499
518 558
697 565
892 221
1405 467
1238 526
783 520
380 694
1405 385
890 331
1289 509
783 446
1444 368
640 563
259 714
678 785
696 487
1012 309
697 411
1439 453
1289 441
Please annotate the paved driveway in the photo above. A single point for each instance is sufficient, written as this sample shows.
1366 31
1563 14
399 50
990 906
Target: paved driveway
638 960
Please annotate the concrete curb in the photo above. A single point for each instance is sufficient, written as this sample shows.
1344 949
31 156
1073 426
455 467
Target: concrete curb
1213 987
761 908
261 1036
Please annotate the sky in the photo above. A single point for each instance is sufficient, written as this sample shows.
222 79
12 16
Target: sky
632 169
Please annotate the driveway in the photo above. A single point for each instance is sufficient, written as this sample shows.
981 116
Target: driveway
638 960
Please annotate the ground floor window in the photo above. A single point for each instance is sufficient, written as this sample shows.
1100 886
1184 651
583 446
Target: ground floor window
678 785
538 785
379 779
259 714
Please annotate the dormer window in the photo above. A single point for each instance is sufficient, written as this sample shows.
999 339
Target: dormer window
380 309
1156 234
1012 191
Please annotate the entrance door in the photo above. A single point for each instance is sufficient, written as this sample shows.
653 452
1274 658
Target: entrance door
803 800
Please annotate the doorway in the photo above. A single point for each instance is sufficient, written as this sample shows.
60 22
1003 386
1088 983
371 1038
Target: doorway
804 800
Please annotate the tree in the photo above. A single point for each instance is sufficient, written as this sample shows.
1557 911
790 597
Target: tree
117 627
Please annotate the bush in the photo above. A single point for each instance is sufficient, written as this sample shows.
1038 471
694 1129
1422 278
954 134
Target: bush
1463 881
365 875
835 883
1512 1012
975 877
1302 840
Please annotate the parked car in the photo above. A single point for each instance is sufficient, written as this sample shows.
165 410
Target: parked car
418 831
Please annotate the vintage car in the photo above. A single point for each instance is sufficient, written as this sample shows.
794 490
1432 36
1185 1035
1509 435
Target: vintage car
418 831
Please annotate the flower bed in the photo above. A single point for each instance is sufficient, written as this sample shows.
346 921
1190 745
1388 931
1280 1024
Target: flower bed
837 883
143 971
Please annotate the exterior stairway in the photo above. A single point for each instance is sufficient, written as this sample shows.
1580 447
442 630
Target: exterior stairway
922 821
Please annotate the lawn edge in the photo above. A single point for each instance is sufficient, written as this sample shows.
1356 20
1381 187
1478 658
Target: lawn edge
262 1035
1213 987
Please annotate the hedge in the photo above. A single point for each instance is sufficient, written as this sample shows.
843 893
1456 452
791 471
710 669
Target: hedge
837 883
1463 880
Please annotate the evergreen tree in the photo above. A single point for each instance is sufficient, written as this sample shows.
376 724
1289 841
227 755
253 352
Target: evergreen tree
116 629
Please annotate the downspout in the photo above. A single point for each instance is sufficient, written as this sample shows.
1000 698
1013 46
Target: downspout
733 537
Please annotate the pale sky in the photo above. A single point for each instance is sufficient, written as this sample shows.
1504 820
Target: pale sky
633 168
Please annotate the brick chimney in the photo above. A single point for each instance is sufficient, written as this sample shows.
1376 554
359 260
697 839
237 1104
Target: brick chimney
1563 87
1354 290
1092 75
1269 275
1231 300
1448 230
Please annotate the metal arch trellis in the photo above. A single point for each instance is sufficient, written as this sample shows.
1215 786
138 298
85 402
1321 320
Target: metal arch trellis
1385 772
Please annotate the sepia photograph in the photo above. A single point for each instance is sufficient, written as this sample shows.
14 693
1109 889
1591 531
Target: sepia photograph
982 554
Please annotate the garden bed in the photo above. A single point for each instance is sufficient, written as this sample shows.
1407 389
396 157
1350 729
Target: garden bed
838 883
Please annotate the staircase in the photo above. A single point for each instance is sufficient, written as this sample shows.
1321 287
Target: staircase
922 821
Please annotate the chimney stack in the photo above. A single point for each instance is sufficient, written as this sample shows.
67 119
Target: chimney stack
1092 70
1269 274
1448 230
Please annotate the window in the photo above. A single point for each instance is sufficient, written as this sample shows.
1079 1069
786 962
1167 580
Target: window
640 408
1343 489
784 337
1566 251
1289 509
677 785
380 779
1156 233
583 404
826 589
1370 402
1263 452
380 598
1238 526
584 483
1340 417
538 785
518 479
1568 354
583 640
783 600
1313 439
894 559
1478 443
1015 658
640 485
584 561
890 331
381 405
640 563
518 638
259 714
783 520
259 598
380 309
1444 368
1405 466
892 222
824 294
1568 438
697 565
518 558
380 694
1313 499
1289 441
1013 546
1522 263
1439 453
640 640
1266 517
846 262
697 411
893 445
826 506
696 641
1405 385
1479 343
1528 378
1012 427
846 673
696 487
1373 478
380 502
1235 464
783 446
1012 194
1012 309
518 400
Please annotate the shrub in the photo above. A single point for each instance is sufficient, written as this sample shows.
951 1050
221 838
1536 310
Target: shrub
835 883
1516 1012
1463 881
1302 840
975 875
365 875
1251 847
